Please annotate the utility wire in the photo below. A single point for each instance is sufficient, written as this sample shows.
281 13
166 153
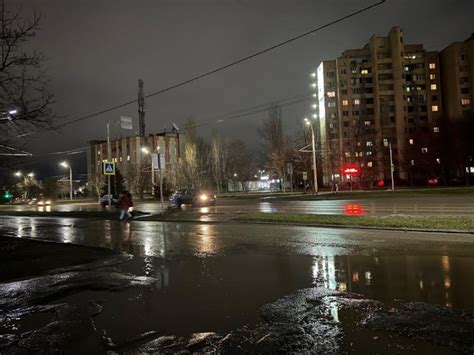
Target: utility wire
231 64
242 113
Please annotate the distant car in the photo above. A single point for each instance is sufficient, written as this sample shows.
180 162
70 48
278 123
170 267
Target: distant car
44 202
104 201
192 197
433 181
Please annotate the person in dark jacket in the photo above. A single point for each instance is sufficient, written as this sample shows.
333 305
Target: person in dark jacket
125 203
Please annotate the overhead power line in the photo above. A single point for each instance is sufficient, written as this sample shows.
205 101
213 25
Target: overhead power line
231 64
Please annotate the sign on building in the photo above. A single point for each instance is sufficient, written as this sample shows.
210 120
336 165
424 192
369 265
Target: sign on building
305 175
126 122
108 168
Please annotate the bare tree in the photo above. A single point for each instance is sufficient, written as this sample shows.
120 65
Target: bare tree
277 145
137 178
25 103
241 164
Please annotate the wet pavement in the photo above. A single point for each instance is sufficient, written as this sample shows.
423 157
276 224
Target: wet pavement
227 283
447 205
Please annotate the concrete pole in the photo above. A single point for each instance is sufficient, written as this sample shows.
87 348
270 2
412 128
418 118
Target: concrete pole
109 153
70 182
315 170
153 176
392 168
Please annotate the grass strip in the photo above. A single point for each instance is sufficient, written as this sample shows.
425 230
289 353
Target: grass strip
398 221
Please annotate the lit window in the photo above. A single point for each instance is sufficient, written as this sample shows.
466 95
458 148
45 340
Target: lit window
347 154
364 72
345 102
465 102
385 142
433 87
424 150
410 141
314 106
367 123
368 153
369 164
408 89
412 163
315 95
432 65
331 94
434 108
368 144
438 160
128 157
315 116
313 85
120 159
432 76
356 102
436 129
98 153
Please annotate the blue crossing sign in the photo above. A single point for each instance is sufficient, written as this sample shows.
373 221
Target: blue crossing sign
108 168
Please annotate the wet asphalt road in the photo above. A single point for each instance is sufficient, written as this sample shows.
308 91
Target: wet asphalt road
215 277
449 205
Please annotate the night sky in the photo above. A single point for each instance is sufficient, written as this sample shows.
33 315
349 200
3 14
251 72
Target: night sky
97 49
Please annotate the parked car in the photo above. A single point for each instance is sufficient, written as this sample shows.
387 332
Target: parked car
104 201
192 197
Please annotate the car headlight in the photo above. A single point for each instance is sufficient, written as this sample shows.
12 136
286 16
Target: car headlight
203 197
48 202
40 203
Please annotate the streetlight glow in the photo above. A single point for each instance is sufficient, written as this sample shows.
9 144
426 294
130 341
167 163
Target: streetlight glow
13 112
31 175
64 164
18 173
145 150
313 75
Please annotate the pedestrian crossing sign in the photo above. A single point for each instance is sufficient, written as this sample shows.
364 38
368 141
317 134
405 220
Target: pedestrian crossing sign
109 168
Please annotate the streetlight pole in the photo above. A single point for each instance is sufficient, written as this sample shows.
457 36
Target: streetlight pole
392 167
67 165
109 153
313 145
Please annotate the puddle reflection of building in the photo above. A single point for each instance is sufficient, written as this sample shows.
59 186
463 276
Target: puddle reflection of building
411 278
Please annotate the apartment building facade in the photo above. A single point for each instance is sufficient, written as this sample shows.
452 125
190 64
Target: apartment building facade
133 157
457 73
385 94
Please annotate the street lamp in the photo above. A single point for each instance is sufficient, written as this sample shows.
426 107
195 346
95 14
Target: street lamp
65 164
313 145
147 151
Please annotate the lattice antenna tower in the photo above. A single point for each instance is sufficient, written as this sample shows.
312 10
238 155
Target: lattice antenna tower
141 108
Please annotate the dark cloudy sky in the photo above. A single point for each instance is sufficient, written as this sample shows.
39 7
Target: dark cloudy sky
97 49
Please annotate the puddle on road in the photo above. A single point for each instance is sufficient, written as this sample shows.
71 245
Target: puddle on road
195 294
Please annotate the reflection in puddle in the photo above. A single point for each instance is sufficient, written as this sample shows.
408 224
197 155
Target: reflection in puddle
421 278
354 209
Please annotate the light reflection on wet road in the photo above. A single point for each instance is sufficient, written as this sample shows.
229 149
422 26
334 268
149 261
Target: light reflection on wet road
427 205
216 276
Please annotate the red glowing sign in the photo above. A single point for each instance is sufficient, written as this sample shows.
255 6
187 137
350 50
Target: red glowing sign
351 170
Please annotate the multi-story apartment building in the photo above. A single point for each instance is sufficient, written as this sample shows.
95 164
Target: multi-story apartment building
457 74
385 94
133 158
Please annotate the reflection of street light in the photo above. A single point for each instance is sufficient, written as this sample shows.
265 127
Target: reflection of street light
65 164
313 145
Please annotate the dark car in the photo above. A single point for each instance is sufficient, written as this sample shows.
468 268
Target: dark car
104 201
192 197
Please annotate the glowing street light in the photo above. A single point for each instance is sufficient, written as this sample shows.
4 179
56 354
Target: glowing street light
313 75
145 150
65 164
